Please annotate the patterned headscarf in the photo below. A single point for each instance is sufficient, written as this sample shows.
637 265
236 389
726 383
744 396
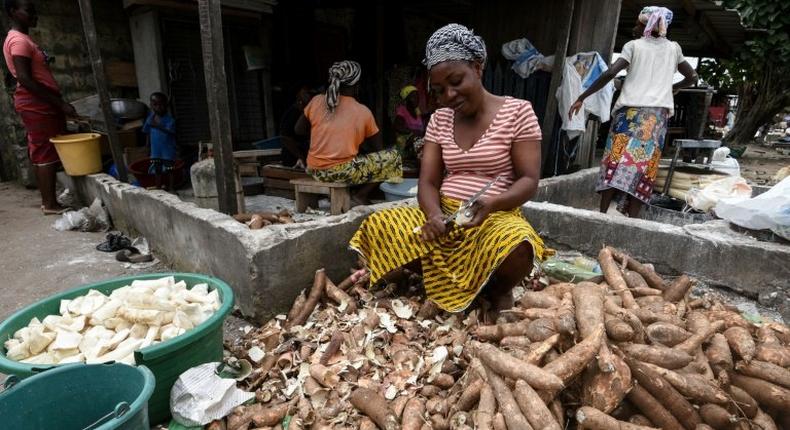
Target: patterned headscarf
454 42
341 73
655 17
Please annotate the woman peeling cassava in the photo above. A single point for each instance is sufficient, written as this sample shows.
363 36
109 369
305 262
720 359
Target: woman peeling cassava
473 139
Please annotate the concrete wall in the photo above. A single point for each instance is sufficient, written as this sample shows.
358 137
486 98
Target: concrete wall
575 190
711 252
148 61
59 32
267 268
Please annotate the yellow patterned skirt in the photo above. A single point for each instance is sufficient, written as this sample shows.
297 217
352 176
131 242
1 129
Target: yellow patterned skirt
457 266
381 166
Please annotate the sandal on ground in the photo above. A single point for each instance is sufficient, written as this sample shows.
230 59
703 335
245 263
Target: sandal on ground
46 211
115 242
132 255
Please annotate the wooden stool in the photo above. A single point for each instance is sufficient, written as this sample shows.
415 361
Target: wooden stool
308 192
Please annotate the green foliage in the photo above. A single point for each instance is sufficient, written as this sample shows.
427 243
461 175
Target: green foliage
768 44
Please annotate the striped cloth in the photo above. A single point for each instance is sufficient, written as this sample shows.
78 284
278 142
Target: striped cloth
455 267
469 171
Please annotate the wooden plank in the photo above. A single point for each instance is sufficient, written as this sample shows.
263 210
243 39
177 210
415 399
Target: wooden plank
89 26
227 9
550 115
283 173
254 153
312 189
218 108
279 184
121 74
313 182
248 169
339 201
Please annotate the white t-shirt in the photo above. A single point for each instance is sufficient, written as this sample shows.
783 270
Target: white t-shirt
652 62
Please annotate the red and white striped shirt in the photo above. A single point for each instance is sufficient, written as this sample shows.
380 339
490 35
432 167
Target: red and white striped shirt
469 171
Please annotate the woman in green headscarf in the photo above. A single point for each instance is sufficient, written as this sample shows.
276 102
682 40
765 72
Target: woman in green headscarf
409 123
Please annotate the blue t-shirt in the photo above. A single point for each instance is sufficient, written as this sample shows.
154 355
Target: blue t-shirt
163 142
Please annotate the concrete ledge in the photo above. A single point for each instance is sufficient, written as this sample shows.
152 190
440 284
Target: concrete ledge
710 251
575 190
266 268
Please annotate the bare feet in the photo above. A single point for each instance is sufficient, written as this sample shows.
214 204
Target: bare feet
53 210
502 301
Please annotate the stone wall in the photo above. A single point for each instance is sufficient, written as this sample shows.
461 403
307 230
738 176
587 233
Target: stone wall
60 33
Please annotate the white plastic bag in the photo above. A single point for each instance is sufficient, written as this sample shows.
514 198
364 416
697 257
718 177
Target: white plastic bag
92 218
200 396
71 220
731 187
770 210
722 162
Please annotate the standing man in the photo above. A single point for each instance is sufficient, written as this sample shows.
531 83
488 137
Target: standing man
37 98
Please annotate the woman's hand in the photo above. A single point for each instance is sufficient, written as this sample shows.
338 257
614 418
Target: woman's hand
575 108
433 228
481 209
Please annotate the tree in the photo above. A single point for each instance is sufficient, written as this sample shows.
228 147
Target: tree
759 72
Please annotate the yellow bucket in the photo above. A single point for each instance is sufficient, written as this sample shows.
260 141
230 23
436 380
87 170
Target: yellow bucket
80 153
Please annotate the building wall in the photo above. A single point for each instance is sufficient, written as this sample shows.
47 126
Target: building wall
60 33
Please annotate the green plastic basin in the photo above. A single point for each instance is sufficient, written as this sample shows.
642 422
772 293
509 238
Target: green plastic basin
76 396
166 360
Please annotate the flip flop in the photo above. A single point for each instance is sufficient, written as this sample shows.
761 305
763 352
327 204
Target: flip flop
46 211
133 256
115 242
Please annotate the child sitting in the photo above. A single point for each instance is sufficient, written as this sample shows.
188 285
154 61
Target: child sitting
161 130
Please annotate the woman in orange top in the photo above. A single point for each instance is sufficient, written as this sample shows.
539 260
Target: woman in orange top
338 125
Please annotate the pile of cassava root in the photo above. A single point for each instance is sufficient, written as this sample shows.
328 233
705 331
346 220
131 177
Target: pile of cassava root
634 352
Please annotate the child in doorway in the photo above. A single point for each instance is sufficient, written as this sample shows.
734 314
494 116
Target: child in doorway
161 130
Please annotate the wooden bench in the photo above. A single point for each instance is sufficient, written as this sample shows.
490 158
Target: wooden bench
308 191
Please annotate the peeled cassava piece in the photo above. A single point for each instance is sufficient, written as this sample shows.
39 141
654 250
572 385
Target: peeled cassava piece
97 328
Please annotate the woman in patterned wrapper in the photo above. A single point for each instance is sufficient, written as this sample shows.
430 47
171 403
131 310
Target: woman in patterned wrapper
475 138
641 113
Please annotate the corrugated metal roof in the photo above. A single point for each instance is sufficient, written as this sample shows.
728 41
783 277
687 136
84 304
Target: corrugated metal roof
703 28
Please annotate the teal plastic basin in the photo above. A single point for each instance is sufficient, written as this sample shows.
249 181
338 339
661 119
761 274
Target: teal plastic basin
166 360
79 396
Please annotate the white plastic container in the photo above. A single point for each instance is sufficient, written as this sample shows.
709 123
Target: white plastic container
405 190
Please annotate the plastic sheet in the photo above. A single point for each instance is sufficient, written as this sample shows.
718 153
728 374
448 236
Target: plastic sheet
770 210
200 396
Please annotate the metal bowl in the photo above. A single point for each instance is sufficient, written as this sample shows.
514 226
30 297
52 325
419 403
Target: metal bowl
128 109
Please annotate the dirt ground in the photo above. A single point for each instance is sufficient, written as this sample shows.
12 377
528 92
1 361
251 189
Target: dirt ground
37 261
760 163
